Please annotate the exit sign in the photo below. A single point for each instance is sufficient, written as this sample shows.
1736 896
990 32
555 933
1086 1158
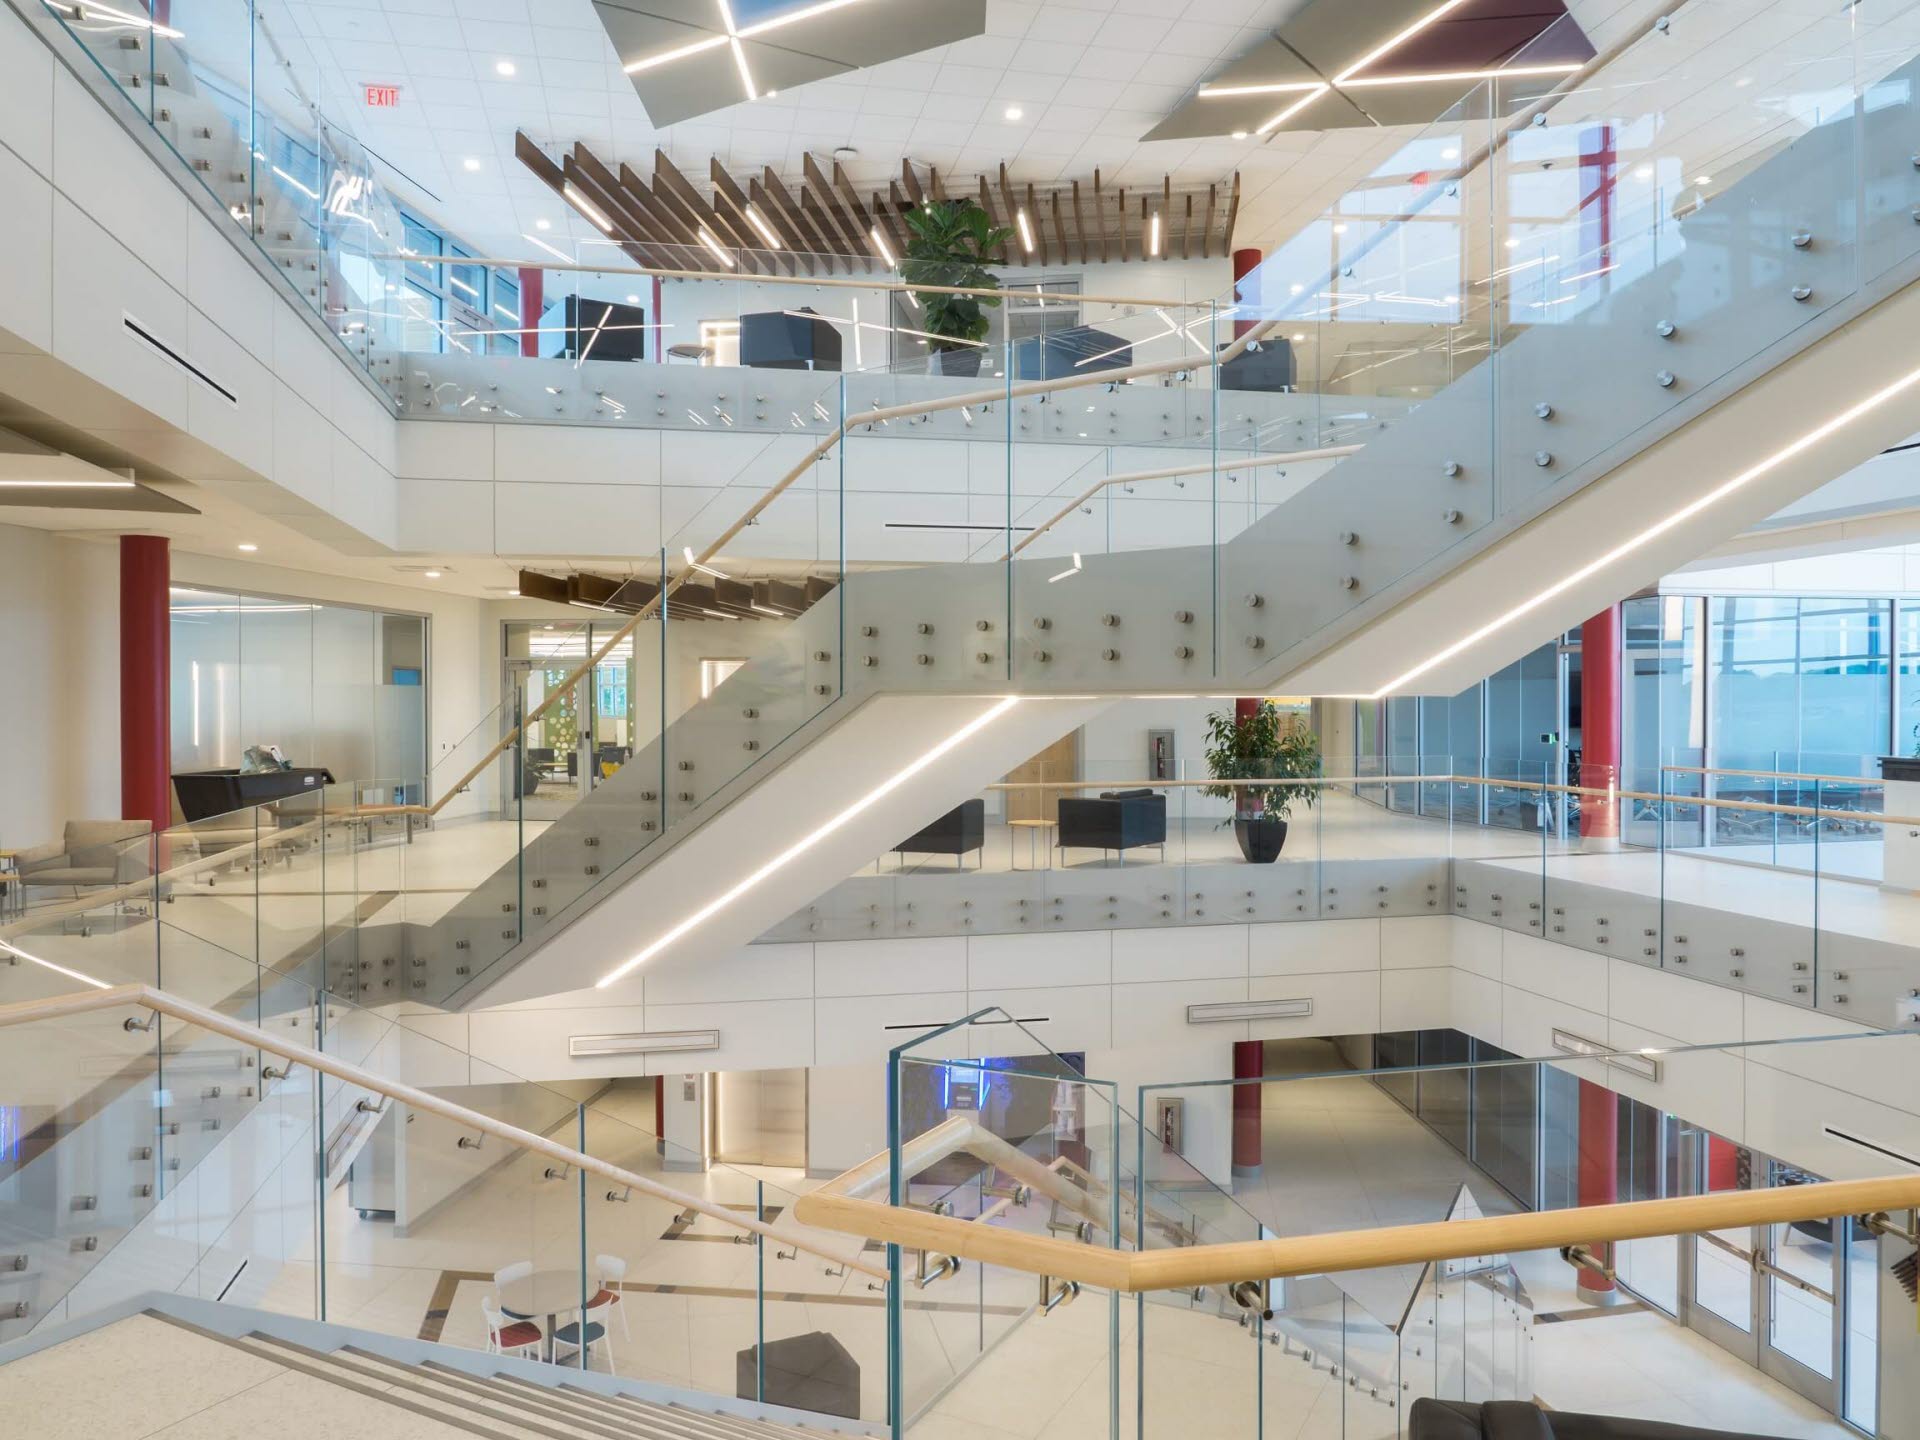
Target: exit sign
382 97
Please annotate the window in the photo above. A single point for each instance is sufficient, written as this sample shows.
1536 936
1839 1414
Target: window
417 239
720 339
713 673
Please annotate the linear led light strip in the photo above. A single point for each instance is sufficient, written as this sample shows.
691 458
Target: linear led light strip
1655 531
66 485
735 34
799 848
90 11
15 950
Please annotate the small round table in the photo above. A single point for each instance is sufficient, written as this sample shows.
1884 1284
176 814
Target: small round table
552 1293
1034 829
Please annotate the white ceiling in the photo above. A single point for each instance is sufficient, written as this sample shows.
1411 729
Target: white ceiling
1088 76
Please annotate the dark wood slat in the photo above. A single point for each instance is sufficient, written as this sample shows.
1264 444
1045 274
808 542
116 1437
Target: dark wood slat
933 184
910 182
786 224
888 219
823 222
986 204
866 223
1059 228
1166 217
727 194
1186 229
1233 214
821 191
1121 207
1038 221
667 175
800 222
1100 216
1079 222
583 172
1206 225
1146 222
1016 246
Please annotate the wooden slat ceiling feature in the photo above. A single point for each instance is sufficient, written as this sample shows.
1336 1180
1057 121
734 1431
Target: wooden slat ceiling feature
826 226
707 598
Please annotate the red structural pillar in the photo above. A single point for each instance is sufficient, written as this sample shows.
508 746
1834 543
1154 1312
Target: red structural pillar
146 748
1245 264
532 303
1249 1063
1599 1171
1602 651
1599 190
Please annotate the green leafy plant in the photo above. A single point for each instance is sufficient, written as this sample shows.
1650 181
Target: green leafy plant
948 242
1257 747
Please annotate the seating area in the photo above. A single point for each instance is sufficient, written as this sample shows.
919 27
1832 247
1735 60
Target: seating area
89 855
1115 821
523 1297
962 831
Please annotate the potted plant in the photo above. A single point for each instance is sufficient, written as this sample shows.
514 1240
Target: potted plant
1255 746
948 242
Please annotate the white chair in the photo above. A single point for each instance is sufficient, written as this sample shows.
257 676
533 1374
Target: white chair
519 1270
509 1337
608 1272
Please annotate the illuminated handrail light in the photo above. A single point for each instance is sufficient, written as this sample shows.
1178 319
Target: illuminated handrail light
806 843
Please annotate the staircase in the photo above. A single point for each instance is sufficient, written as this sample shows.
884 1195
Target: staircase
139 1375
1732 328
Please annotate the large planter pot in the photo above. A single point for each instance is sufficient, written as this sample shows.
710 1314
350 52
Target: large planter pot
1261 838
961 360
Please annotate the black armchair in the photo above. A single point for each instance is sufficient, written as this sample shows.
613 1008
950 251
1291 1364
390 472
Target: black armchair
959 832
1119 820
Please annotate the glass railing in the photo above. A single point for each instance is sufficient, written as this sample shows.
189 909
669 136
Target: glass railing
1656 876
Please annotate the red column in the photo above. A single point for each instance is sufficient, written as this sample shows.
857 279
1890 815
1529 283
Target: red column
146 748
532 303
1601 662
1599 188
1599 1169
1249 1062
1245 264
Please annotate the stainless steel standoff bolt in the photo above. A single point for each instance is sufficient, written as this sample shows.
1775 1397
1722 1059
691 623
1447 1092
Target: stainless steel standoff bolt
1254 602
1256 642
1347 537
1183 652
1041 622
1109 620
1664 329
1802 239
1452 517
1543 458
925 628
1543 410
1802 292
1663 378
983 625
1450 469
1109 654
1349 582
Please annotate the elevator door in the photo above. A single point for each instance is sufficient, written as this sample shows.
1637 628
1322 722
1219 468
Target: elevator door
760 1118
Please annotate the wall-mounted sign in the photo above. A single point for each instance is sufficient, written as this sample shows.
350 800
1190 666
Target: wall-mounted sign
1170 1123
382 97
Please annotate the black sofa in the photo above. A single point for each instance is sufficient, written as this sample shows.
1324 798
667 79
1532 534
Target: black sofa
1431 1419
958 833
1118 820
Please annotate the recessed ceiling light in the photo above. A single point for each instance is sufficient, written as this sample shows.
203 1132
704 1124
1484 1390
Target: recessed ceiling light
1452 152
1014 112
1340 229
431 574
1298 337
514 593
470 163
1513 243
247 546
1703 179
505 67
633 299
1239 134
543 224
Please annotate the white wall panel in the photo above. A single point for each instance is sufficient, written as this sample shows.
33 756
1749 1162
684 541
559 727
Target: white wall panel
100 167
26 93
533 1043
301 358
1417 999
244 430
1156 1014
537 454
443 449
1313 946
550 519
852 1030
1529 1020
1416 942
890 967
1475 947
754 1035
1557 971
1696 1014
1213 952
1478 1006
302 448
229 291
26 246
1012 962
96 283
1343 1004
362 493
1065 1017
765 972
1707 1087
1789 1116
447 515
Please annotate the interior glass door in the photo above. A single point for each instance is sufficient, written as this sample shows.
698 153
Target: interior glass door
1797 1286
1722 1289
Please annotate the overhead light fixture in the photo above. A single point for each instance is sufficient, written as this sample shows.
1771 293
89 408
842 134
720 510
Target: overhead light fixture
1703 179
1014 112
559 255
586 207
431 574
91 11
1510 72
701 566
1153 234
470 164
1438 12
1655 531
794 851
1285 87
543 224
880 244
1292 110
719 250
1064 574
1239 134
739 51
505 67
667 57
31 959
759 223
248 546
1026 230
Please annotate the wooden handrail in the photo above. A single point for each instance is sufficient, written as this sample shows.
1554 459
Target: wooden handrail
1188 1267
1329 452
146 997
1774 774
1259 331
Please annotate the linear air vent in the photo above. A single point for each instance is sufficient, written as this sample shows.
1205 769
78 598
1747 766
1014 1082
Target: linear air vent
942 1024
1872 1145
1296 1009
647 1042
1643 1064
147 337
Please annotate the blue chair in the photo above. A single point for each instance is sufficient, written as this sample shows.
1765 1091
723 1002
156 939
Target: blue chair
573 1336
